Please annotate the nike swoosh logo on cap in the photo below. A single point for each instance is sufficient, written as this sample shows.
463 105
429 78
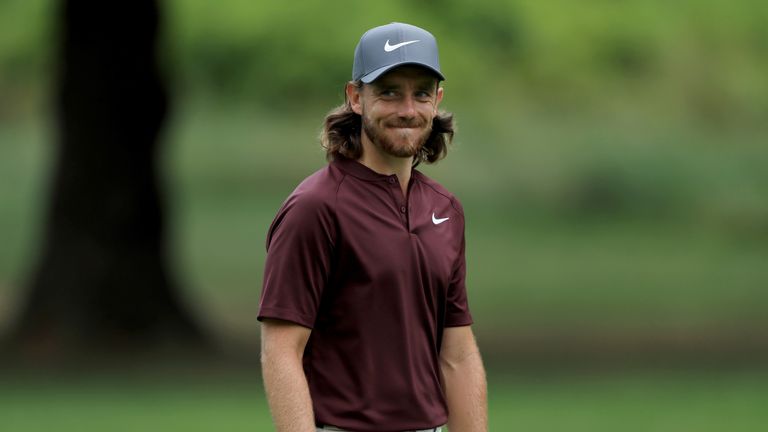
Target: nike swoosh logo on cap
437 221
390 48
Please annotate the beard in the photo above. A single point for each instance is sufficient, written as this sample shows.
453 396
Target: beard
396 142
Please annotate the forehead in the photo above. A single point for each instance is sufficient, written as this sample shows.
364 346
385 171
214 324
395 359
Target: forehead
412 74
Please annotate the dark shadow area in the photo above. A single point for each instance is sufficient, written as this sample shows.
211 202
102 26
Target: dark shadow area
101 284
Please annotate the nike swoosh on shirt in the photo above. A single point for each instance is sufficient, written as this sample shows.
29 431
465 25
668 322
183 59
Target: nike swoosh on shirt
390 48
437 221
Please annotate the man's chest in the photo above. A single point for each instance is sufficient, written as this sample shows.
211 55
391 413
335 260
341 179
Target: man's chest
384 236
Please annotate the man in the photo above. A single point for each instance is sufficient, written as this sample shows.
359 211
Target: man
365 323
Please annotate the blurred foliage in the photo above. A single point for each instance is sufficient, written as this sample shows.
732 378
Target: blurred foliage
705 59
611 154
26 47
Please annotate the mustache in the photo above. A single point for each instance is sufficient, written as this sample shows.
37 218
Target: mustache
406 123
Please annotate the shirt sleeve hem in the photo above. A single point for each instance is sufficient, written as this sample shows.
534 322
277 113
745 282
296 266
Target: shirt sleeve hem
459 322
285 315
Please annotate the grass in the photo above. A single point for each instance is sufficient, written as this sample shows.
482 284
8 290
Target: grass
547 401
632 402
121 404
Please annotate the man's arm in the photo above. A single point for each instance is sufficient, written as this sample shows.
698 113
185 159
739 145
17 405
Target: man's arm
464 378
282 348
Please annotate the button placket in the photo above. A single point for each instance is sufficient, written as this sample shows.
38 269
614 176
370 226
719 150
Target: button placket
397 195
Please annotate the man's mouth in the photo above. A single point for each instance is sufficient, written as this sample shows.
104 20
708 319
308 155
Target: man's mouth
404 126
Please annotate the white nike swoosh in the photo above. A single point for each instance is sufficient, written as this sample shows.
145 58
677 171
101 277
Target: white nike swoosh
390 48
437 221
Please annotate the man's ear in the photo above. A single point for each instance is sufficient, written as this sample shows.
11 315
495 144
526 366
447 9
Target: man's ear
353 96
439 97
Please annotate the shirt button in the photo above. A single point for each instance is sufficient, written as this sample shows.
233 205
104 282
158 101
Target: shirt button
391 180
402 209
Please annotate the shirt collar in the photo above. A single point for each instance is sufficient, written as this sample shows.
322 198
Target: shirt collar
359 170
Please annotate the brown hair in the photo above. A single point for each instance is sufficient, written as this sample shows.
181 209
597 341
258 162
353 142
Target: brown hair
342 129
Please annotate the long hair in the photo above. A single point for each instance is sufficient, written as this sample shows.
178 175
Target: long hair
342 129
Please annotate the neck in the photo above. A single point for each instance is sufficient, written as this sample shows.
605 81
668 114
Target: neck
383 163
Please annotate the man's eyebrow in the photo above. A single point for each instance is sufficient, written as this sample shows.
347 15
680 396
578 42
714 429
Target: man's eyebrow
427 84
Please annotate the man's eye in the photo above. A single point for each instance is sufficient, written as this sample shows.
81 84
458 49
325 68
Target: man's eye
388 93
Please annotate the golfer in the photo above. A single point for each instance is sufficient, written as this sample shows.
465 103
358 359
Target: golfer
365 322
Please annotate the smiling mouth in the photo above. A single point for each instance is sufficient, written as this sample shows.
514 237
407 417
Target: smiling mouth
405 126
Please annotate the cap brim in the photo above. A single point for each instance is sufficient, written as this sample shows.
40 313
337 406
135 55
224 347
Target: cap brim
373 75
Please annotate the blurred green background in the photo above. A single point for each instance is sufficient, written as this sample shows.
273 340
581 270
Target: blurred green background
611 158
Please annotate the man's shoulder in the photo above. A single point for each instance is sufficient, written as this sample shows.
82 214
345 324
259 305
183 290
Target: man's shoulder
439 189
310 206
318 190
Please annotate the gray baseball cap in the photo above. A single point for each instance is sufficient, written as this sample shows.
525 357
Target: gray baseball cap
386 47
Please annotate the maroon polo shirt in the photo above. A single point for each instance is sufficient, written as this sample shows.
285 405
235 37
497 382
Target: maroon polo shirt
377 277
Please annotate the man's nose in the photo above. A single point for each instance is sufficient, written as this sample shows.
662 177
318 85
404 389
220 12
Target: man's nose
407 107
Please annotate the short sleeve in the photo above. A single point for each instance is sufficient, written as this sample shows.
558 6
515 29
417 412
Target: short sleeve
457 307
300 247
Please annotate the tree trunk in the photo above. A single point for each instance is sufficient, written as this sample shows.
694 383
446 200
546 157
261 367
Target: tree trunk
102 283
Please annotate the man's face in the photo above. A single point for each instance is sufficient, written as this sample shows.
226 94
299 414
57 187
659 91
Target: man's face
397 109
